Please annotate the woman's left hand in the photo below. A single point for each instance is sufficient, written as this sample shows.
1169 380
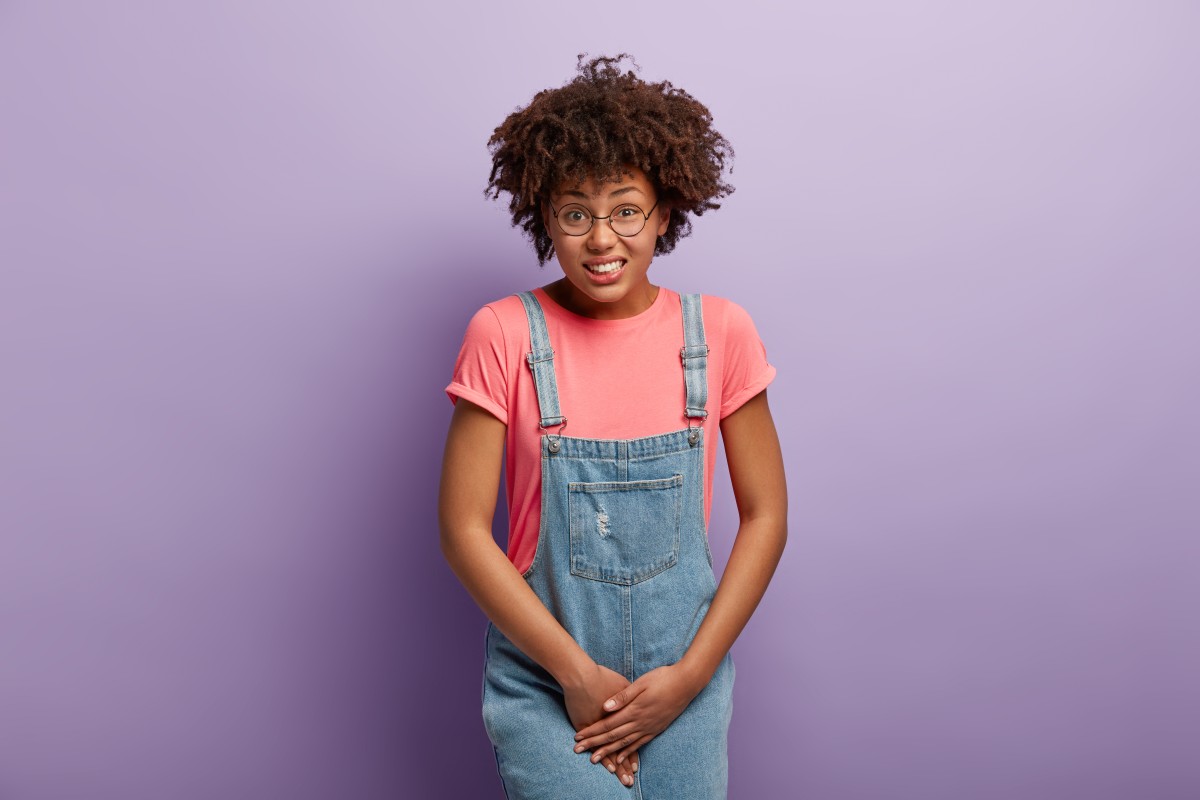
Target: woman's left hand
638 713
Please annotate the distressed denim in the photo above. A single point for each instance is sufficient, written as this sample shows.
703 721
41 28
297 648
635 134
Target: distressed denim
623 563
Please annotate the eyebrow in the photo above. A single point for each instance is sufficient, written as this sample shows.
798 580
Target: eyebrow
616 193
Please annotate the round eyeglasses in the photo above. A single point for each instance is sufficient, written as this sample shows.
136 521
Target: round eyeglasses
625 220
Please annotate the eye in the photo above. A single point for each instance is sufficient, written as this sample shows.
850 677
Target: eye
573 215
627 212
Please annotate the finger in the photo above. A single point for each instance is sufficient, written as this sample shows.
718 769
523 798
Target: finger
601 726
601 731
618 744
623 697
605 738
634 761
624 774
630 752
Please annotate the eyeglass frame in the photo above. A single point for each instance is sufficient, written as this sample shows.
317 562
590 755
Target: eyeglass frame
645 214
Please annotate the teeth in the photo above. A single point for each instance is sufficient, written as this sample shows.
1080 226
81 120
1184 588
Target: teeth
611 266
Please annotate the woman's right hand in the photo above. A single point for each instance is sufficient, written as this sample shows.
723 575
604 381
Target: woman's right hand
584 699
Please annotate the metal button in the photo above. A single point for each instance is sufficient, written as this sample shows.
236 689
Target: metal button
693 436
554 445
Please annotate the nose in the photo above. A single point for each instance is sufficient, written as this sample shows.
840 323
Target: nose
601 236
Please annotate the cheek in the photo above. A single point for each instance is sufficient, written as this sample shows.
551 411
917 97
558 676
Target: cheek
564 244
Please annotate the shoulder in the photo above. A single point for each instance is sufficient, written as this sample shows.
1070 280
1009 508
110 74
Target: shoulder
744 368
723 317
505 312
497 321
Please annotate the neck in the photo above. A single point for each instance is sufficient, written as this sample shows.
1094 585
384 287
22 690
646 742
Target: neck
635 302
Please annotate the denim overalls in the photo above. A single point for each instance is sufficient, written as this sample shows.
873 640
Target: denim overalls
623 563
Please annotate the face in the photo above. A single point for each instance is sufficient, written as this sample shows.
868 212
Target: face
605 275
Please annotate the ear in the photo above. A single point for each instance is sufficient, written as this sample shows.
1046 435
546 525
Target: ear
664 217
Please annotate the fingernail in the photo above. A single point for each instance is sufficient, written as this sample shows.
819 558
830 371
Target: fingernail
627 780
635 766
610 704
595 759
611 768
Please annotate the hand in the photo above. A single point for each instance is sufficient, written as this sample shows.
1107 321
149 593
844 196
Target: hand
583 701
638 713
585 695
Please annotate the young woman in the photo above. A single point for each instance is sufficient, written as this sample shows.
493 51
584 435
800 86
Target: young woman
604 395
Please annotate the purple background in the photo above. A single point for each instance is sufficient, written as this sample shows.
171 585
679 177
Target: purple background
239 242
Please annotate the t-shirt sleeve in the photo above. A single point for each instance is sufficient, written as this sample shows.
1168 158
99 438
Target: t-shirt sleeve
747 371
480 373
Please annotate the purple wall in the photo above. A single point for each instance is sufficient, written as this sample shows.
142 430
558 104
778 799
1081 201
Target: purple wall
239 242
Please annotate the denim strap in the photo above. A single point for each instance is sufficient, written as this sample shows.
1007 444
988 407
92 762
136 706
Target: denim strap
695 357
541 362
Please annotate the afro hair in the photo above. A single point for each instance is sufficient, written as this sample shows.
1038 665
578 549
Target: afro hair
594 127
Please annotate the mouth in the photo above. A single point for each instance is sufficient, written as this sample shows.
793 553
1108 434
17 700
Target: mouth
606 267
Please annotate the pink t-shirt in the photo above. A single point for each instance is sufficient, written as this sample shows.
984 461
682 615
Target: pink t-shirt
617 379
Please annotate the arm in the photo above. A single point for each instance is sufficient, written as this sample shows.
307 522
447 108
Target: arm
470 481
653 701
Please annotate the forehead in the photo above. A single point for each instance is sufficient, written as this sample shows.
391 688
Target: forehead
632 183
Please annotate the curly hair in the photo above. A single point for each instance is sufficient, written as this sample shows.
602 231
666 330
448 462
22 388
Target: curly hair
592 128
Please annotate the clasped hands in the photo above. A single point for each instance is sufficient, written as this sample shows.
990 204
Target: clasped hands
614 718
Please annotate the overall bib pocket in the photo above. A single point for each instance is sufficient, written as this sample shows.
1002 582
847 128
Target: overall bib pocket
624 531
